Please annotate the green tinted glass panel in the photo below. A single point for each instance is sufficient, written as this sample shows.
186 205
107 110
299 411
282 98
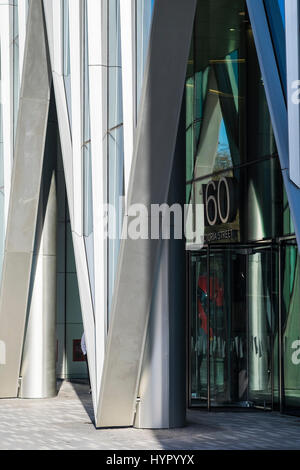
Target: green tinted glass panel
291 328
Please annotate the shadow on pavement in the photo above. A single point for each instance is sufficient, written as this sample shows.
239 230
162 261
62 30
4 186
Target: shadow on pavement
81 389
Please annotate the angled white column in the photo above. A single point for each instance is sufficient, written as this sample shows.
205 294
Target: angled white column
97 33
7 93
78 240
149 184
292 17
23 204
38 368
153 409
162 389
129 99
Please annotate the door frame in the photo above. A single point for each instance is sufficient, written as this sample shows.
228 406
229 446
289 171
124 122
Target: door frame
273 245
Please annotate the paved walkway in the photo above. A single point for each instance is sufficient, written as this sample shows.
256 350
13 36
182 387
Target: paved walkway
64 423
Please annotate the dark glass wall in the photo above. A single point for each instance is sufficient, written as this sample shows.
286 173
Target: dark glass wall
228 127
238 291
290 324
275 10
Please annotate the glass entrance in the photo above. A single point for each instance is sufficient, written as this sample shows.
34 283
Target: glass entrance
232 327
290 328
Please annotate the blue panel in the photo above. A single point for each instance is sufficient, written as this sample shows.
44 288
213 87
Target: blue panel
282 9
276 17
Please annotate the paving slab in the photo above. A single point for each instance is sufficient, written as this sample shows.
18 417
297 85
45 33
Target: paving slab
64 423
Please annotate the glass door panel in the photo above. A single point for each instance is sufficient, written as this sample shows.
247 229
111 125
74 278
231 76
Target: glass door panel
261 327
290 316
228 345
218 330
233 299
198 296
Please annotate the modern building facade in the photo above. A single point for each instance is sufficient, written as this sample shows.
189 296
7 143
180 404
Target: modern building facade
114 114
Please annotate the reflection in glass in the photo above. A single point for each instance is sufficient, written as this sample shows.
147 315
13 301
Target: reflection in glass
115 141
228 355
215 88
66 57
276 16
229 135
198 339
233 315
87 161
16 67
144 10
258 201
288 226
291 328
261 320
86 147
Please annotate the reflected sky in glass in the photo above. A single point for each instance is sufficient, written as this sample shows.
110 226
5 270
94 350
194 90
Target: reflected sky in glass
282 10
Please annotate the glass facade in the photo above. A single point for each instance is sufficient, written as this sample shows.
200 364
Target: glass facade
16 77
244 343
290 327
88 228
143 10
233 323
66 57
115 140
228 127
115 134
276 16
69 325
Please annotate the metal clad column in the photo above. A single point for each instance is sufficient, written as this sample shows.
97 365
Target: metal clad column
24 200
162 392
149 184
38 371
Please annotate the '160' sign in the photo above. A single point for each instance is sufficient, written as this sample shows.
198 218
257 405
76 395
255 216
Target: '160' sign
220 201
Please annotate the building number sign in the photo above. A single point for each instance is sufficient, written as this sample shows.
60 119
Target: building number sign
220 201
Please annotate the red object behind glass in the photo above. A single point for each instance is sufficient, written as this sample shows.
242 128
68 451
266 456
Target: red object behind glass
216 295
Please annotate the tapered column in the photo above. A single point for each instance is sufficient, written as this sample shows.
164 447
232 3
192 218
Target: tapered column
38 370
162 390
149 184
24 198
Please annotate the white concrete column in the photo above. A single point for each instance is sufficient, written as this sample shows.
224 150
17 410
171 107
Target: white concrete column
149 184
7 94
24 198
153 402
38 370
162 391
